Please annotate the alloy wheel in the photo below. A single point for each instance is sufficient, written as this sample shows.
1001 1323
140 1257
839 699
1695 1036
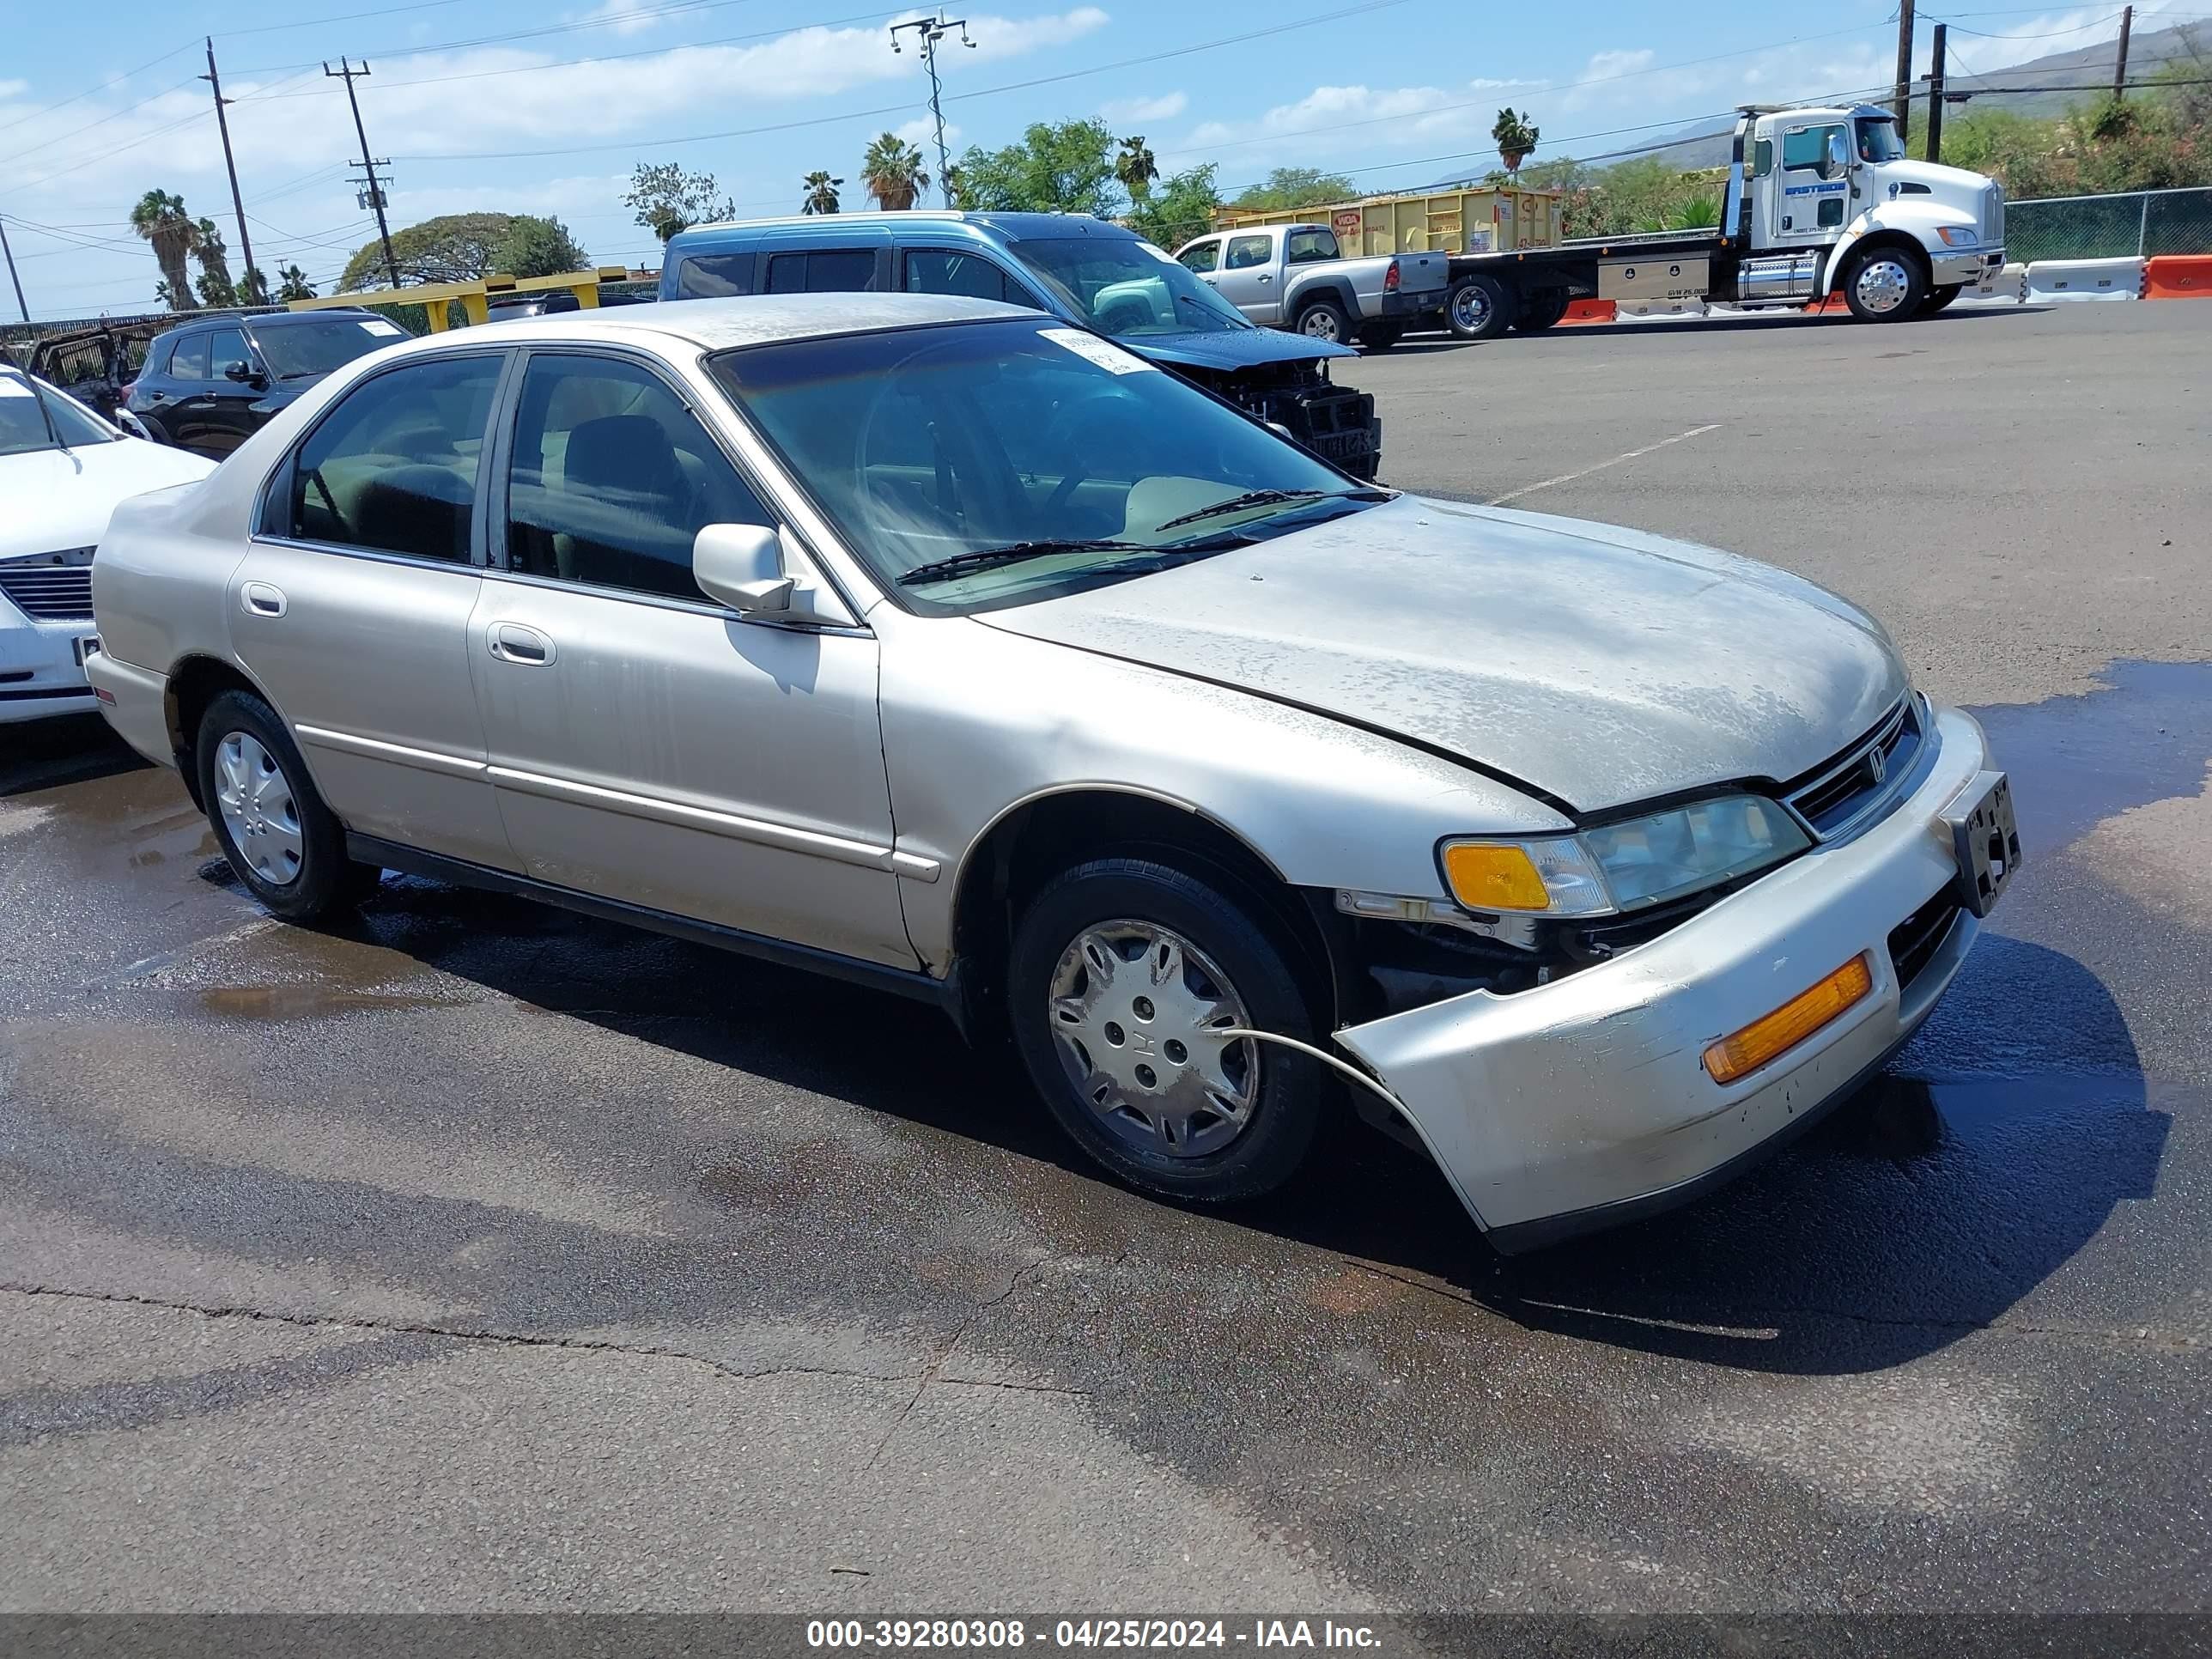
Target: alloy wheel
1882 285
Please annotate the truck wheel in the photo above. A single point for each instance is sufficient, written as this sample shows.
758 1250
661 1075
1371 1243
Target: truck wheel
1884 285
1939 297
1480 308
1324 320
1380 336
1540 311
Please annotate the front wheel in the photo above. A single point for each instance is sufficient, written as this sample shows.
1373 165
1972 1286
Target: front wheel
1480 308
1884 285
280 839
1324 320
1126 981
1939 297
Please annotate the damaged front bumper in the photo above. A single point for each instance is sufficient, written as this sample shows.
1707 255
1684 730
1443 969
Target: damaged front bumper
1585 1102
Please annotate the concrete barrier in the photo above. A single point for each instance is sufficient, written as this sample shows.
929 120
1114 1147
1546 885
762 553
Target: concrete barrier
2085 279
2179 276
2008 287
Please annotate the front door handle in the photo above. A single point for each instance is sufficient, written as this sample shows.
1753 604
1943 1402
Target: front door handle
263 600
1264 277
516 643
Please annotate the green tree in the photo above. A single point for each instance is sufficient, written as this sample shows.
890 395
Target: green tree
453 247
253 288
1295 187
161 218
1179 207
1136 168
533 246
1065 167
821 193
892 172
669 199
1514 137
292 284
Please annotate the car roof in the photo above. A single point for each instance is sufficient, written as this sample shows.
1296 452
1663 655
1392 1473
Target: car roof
756 320
264 319
882 226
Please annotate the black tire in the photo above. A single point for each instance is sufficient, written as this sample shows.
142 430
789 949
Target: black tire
1885 284
1541 311
1324 320
1481 307
322 881
1283 1090
1380 336
1939 297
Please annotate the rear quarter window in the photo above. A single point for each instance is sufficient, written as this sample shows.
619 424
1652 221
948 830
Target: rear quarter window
714 276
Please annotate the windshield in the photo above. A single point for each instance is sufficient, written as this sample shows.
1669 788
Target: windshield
23 428
1878 140
294 350
1126 288
932 445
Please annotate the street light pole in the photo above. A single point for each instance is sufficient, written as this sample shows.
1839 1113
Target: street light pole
930 31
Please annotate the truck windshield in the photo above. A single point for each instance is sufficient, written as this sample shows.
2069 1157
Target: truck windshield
1878 140
1126 289
974 465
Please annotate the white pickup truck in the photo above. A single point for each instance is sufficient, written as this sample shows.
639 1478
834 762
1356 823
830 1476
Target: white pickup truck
1294 276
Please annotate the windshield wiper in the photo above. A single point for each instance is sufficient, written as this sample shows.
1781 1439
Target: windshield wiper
960 564
1270 497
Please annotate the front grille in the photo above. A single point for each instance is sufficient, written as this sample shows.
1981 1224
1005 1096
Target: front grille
1853 785
1993 215
47 589
1914 941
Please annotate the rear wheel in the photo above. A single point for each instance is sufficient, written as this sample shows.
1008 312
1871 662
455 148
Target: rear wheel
1540 311
1124 976
1939 297
1324 320
1884 285
279 838
1480 308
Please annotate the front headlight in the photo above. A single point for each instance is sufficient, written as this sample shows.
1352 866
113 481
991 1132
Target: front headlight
1629 865
1954 237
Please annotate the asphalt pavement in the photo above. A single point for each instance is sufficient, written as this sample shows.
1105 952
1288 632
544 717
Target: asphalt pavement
474 1256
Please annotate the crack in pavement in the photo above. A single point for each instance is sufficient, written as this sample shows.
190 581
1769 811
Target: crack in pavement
924 1379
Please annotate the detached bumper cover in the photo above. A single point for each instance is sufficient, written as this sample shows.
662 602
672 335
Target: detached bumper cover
1586 1101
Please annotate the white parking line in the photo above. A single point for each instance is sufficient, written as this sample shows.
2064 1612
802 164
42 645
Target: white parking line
1569 478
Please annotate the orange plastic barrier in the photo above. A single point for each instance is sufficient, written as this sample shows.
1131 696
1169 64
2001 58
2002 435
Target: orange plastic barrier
2178 277
1591 311
1833 302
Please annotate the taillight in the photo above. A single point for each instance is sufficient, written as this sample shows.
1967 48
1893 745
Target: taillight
128 390
1390 278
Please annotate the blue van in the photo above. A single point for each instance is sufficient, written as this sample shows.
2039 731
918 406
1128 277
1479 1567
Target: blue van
1099 275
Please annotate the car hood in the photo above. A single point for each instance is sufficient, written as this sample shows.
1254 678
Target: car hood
1229 349
61 499
1595 664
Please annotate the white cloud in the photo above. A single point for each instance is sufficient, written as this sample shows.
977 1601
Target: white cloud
1132 112
628 16
922 133
1381 117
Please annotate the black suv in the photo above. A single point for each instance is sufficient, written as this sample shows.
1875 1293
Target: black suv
213 383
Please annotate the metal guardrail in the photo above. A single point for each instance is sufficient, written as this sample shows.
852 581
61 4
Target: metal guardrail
2134 224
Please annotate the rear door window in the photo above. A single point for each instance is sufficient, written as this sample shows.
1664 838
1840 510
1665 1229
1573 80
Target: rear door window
1302 248
714 276
189 360
1244 253
393 465
822 271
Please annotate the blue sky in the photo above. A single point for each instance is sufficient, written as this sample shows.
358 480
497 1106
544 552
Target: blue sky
530 107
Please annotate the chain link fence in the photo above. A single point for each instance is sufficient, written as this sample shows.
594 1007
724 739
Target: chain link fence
2141 223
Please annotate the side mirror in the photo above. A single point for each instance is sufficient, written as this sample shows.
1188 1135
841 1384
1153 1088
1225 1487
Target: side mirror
741 565
1839 157
243 372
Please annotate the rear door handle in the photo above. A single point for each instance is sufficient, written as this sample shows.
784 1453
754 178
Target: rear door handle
263 600
516 643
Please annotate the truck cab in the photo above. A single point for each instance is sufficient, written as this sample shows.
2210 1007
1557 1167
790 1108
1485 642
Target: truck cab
1296 277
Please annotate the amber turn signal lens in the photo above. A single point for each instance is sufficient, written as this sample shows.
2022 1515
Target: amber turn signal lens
1492 876
1745 1051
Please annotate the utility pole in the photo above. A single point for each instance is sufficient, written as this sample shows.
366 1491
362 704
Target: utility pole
223 125
12 276
931 30
1902 103
2120 68
1935 78
374 198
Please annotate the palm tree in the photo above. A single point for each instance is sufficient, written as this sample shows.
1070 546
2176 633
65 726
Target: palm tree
892 172
161 218
216 288
1135 167
294 284
821 193
1514 137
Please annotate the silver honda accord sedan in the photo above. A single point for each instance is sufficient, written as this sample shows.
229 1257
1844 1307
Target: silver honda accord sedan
937 645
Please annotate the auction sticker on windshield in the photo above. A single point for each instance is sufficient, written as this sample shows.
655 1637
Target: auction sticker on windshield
378 326
1104 353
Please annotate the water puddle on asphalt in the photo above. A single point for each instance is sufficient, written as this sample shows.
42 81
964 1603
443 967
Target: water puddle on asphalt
287 1002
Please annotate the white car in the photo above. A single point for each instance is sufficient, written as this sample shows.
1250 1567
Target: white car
62 471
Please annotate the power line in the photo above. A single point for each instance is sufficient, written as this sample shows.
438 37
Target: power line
116 80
